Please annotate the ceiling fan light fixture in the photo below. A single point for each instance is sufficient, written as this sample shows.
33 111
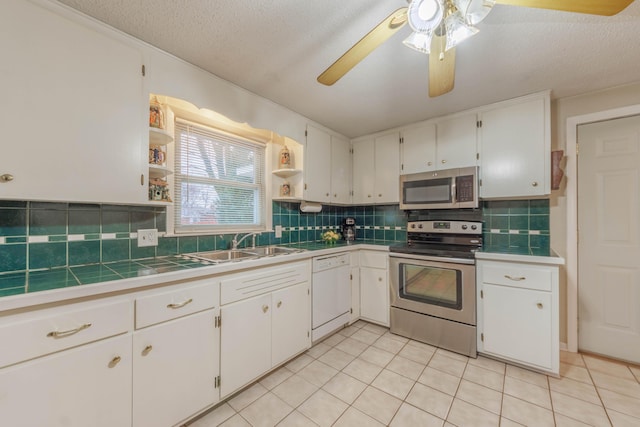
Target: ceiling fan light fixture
457 30
419 41
474 11
425 15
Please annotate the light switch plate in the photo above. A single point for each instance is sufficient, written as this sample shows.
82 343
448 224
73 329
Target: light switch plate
147 237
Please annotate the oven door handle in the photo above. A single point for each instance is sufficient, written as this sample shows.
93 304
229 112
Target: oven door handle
432 258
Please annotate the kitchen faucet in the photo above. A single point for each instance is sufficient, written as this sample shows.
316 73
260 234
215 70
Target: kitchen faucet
235 242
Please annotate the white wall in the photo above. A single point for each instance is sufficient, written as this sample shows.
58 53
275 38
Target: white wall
561 110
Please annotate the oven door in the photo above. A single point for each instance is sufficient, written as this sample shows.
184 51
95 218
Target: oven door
440 287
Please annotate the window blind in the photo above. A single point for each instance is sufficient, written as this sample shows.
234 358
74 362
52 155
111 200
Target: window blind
219 181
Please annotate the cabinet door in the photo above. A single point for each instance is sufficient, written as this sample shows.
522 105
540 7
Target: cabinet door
355 294
85 386
245 342
317 166
515 151
374 295
363 171
174 369
73 110
419 149
517 324
387 169
457 145
340 171
290 322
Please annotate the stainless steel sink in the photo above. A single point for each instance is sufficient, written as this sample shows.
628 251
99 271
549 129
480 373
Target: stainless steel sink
272 250
243 254
224 256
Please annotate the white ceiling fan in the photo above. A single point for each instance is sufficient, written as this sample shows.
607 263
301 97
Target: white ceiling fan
439 25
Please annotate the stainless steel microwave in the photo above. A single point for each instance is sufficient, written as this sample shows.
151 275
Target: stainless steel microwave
443 189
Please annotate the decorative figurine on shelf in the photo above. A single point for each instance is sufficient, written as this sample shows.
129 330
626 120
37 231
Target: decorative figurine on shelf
159 190
284 161
156 155
156 114
285 190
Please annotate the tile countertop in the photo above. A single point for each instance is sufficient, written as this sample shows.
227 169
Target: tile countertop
530 255
25 289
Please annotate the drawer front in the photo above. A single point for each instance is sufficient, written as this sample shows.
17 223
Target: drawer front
374 259
517 275
62 328
239 286
179 301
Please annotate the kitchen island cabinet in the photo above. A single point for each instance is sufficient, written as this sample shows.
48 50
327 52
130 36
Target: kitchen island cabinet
518 312
73 112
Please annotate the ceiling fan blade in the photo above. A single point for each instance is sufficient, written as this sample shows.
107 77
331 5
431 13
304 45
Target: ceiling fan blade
364 47
593 7
442 67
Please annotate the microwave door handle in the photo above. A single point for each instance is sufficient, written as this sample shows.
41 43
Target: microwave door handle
454 196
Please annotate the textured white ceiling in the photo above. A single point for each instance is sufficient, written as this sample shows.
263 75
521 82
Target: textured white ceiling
277 49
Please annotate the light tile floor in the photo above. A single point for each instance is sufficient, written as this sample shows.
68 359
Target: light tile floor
365 376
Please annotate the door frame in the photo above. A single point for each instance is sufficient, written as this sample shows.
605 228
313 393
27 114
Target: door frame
571 172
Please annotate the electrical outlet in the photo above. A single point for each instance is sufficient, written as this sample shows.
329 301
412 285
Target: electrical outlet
278 231
148 237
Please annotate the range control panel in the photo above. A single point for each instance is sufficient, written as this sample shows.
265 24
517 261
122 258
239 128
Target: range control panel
448 227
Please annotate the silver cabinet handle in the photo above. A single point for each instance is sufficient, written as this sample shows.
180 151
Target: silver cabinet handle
368 195
379 279
335 195
60 334
534 184
444 161
180 304
327 194
515 279
265 308
7 177
114 361
379 194
279 304
429 163
540 306
147 350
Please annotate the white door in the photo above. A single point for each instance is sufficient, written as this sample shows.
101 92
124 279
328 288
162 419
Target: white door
340 170
374 295
317 166
418 149
456 147
363 171
609 240
387 168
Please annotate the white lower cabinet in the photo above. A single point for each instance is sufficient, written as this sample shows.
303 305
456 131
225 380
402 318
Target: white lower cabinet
265 321
374 287
355 292
175 365
88 385
518 313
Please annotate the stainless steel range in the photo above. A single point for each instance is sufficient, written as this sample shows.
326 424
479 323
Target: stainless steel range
433 284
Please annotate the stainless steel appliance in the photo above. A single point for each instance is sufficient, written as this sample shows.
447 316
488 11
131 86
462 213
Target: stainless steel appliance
444 189
433 284
349 229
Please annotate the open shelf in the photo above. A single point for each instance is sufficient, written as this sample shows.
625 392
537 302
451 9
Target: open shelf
159 136
286 173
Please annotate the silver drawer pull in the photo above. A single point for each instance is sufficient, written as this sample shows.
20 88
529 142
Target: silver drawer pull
540 306
265 308
180 304
7 177
147 350
60 334
515 279
279 304
115 361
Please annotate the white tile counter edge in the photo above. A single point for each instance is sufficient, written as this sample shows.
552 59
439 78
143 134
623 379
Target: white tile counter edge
23 301
553 259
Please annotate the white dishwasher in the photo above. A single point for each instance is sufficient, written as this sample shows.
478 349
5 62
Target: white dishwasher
330 294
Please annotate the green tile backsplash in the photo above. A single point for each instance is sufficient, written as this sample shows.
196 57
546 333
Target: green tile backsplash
41 235
516 224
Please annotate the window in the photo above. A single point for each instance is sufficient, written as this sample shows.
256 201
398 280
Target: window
219 181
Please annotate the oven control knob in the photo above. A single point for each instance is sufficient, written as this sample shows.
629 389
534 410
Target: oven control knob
413 226
464 226
419 225
473 227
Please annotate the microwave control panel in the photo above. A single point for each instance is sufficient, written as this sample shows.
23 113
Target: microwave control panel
464 188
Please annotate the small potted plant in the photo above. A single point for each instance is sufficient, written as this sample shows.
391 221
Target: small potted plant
330 237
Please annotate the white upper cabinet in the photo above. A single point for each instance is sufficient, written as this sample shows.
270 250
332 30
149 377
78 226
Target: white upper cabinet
515 148
376 169
419 149
441 144
317 170
340 171
73 110
456 142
